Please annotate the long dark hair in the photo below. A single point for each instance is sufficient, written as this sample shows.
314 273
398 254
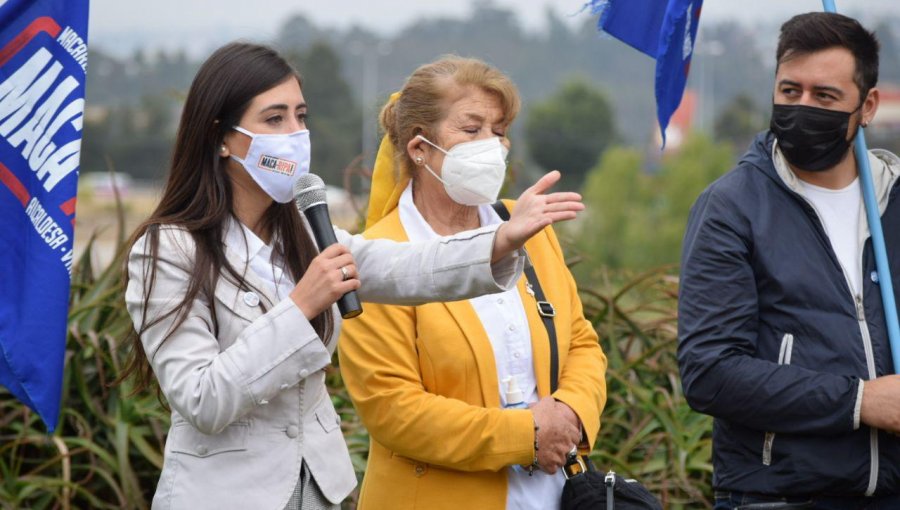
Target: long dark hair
198 193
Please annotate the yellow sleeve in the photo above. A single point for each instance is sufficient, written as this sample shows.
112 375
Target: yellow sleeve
582 380
380 367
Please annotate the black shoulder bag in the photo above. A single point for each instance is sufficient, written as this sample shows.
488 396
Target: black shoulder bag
585 488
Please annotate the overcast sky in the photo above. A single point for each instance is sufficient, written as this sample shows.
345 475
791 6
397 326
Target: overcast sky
122 24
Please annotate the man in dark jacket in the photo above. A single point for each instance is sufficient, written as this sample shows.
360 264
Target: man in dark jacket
782 336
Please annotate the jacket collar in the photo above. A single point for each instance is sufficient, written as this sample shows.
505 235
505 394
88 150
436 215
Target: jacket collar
240 246
765 155
885 168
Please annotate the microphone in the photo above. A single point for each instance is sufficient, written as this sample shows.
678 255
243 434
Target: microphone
309 195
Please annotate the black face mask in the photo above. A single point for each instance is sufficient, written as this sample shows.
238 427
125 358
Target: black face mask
811 139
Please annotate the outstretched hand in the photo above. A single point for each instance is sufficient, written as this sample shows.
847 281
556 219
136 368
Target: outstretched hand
535 209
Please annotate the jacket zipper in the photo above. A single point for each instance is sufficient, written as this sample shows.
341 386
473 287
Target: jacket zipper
870 362
867 347
784 358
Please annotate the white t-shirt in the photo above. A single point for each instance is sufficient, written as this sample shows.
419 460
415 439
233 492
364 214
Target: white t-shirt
839 211
504 320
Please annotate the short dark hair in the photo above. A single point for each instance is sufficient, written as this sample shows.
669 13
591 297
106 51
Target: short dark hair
816 31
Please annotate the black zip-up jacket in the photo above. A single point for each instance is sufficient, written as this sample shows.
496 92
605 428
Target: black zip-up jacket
772 342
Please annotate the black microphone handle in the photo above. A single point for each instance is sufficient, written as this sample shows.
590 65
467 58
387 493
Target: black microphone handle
320 223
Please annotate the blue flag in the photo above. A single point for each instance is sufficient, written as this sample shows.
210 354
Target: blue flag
43 58
664 30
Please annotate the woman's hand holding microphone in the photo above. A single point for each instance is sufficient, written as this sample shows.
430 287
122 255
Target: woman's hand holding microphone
330 275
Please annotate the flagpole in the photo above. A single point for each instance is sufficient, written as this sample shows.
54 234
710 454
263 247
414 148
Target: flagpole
881 261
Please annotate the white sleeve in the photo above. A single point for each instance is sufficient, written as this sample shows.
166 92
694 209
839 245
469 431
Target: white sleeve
444 269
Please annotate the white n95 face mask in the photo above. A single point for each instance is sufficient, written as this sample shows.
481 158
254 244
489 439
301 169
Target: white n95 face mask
276 161
473 172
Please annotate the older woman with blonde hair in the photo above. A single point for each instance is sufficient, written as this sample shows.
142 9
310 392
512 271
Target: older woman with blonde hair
457 395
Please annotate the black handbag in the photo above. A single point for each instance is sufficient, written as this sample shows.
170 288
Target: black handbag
593 490
585 488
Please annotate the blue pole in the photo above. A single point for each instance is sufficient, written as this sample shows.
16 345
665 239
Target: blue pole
881 260
874 218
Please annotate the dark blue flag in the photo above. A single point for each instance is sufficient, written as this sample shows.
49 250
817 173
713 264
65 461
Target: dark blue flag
43 58
664 30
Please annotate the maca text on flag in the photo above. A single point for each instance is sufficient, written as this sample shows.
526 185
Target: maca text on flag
19 96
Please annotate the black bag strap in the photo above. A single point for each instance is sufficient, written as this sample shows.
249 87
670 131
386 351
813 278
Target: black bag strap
545 309
579 463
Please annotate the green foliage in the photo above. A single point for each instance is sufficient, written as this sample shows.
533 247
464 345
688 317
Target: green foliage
636 219
138 137
570 130
615 194
334 117
739 122
648 431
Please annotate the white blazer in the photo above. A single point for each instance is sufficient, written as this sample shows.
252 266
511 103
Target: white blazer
248 398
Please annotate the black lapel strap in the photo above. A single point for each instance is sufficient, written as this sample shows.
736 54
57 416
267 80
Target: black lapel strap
545 309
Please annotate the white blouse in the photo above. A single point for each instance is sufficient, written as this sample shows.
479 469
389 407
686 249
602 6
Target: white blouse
260 257
503 318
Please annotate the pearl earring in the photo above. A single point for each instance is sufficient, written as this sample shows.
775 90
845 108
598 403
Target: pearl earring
419 160
222 149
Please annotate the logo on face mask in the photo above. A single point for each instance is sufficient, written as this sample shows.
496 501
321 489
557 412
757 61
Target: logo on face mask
280 160
277 165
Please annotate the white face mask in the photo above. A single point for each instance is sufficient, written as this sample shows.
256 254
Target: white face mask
276 161
473 172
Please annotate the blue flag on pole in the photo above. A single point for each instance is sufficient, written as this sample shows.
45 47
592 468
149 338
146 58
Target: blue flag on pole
663 29
43 58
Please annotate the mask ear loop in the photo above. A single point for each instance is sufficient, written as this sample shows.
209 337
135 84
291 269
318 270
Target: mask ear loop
239 129
434 174
429 142
432 144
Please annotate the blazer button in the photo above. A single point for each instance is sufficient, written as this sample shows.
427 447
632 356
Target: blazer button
202 450
304 373
420 469
292 431
251 299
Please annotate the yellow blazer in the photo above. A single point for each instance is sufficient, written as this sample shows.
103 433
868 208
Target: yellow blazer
424 382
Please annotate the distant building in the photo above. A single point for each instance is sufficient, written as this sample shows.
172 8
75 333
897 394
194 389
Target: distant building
680 124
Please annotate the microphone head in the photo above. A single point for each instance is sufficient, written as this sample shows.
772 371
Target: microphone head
309 190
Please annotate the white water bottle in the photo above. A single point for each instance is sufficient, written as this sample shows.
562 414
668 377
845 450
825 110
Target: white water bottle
515 399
